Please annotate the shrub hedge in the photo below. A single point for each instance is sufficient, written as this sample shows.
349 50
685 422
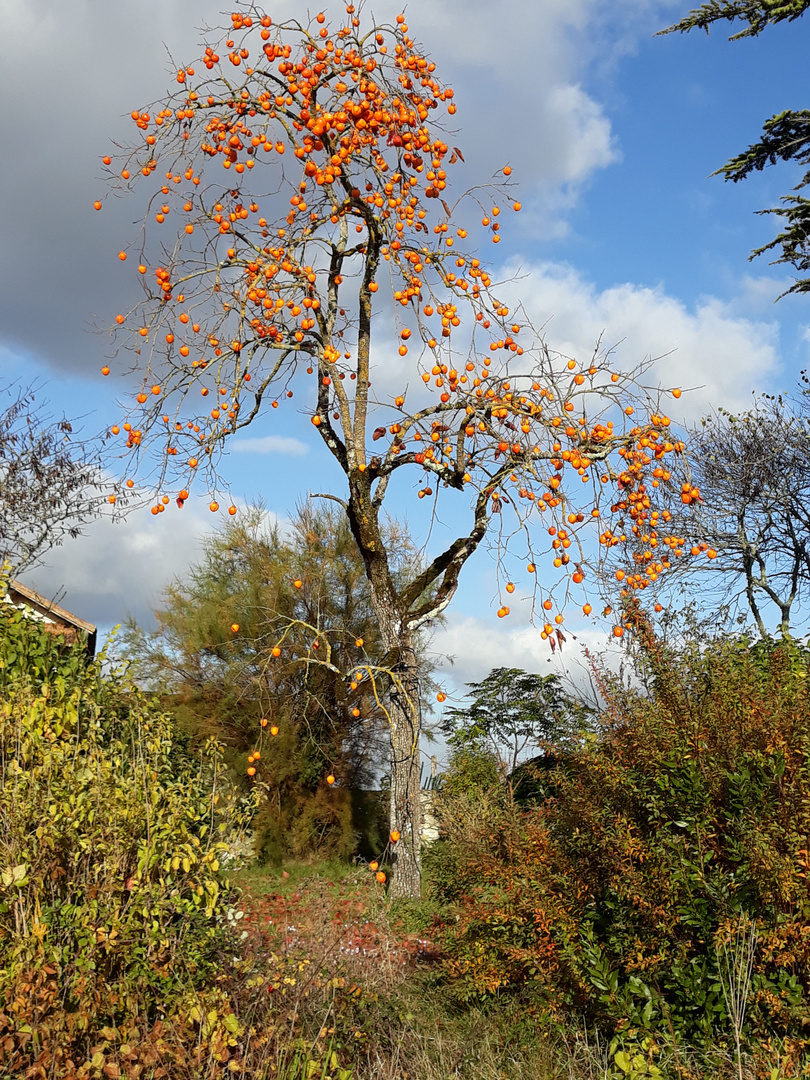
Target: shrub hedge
112 896
688 811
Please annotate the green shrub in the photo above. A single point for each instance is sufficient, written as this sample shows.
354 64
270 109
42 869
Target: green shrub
475 771
112 901
31 656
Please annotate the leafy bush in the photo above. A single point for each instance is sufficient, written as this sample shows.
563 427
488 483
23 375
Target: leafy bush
112 903
614 896
30 656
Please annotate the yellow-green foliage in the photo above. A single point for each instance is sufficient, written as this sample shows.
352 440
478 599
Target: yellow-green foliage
112 900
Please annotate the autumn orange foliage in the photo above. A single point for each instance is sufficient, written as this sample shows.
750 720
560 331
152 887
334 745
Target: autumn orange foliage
641 851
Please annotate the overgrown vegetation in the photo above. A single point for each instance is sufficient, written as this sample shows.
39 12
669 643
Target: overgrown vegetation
644 912
214 657
685 817
113 901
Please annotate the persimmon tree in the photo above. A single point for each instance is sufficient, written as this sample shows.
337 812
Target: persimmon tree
303 235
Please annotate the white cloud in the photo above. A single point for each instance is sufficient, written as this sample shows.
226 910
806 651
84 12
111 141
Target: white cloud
757 294
720 356
469 647
269 444
476 647
119 569
713 350
583 134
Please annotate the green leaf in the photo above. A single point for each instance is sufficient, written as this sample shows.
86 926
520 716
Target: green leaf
622 1059
16 876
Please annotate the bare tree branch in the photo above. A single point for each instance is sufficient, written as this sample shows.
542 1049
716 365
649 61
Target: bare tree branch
49 480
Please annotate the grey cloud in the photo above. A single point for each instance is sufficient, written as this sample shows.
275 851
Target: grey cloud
116 570
77 69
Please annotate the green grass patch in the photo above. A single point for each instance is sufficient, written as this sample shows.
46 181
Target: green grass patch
259 879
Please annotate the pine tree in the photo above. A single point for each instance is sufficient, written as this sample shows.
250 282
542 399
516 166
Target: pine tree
785 137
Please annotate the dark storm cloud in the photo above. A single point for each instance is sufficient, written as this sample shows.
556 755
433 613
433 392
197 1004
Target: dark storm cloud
74 70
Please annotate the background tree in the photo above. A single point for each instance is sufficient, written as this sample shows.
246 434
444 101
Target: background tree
514 713
225 682
307 166
785 137
49 480
749 543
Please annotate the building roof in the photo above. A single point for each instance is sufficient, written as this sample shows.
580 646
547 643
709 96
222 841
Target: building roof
51 612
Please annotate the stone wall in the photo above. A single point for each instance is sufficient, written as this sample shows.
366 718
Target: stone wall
430 825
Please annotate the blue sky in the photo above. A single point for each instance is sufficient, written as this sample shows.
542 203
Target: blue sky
612 133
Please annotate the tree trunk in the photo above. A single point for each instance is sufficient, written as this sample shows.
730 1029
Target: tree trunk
406 804
405 727
404 704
